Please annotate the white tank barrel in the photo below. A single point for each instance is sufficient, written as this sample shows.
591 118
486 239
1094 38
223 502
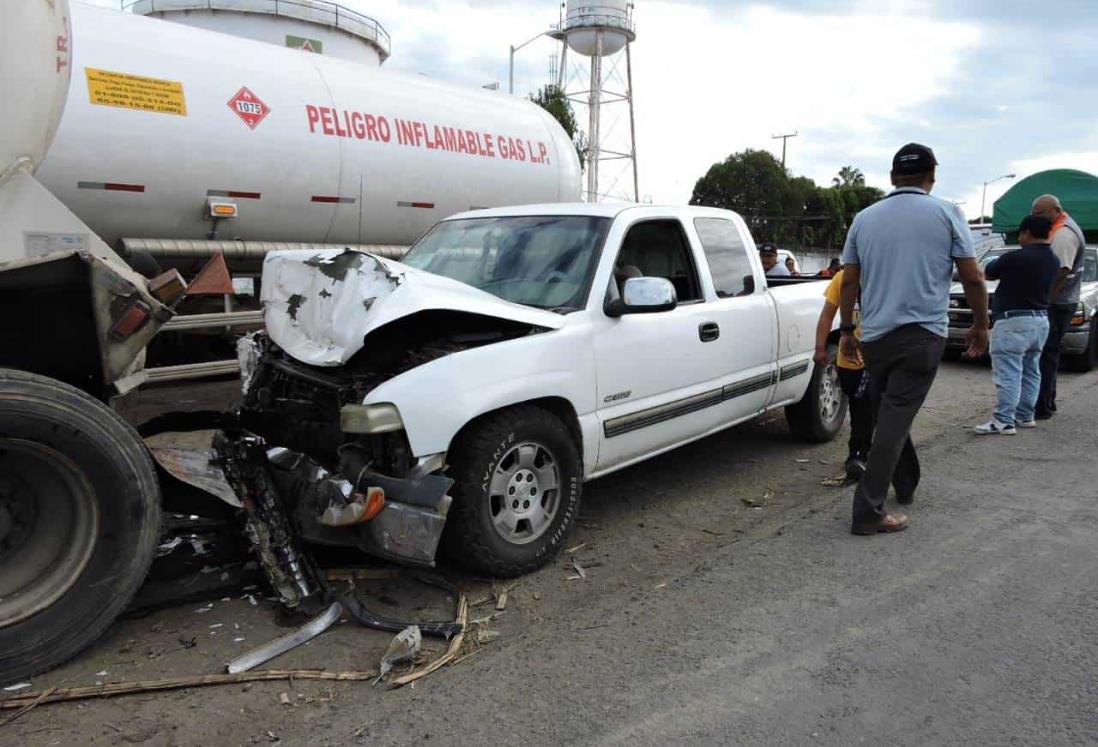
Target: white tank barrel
319 26
163 118
34 78
584 19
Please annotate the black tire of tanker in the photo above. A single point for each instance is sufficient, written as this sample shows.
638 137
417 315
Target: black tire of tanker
487 462
819 416
79 521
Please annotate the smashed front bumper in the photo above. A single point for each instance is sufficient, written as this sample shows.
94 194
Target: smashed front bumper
316 502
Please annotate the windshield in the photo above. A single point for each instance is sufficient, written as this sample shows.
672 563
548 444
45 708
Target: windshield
544 261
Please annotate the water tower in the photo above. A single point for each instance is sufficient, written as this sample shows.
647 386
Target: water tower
602 31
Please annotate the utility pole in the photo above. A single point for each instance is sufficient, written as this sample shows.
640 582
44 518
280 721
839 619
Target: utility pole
983 199
784 139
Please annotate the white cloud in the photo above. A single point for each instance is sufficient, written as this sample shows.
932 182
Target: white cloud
711 85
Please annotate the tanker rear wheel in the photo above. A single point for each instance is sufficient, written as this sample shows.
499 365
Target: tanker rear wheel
79 521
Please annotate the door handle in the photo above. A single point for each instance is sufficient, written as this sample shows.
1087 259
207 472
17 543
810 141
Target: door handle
709 331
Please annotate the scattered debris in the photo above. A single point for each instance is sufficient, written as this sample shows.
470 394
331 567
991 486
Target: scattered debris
537 596
803 461
837 481
487 636
758 502
363 574
501 602
403 648
580 571
20 686
451 652
659 586
574 550
207 608
281 645
58 695
284 698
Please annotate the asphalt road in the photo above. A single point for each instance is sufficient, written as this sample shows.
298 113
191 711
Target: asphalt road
725 603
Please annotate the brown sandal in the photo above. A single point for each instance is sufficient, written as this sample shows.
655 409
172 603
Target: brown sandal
890 523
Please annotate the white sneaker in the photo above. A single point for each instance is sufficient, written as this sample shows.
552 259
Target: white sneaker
995 428
1026 424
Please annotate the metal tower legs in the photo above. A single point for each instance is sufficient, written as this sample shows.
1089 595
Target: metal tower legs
595 101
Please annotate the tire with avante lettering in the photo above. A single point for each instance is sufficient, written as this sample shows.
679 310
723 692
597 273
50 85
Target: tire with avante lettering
819 416
518 478
79 521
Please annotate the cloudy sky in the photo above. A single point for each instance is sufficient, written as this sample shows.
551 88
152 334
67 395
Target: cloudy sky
994 86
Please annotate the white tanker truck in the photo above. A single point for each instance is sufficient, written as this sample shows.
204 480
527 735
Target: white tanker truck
198 142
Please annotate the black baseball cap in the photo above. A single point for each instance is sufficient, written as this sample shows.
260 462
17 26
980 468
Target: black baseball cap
913 159
768 248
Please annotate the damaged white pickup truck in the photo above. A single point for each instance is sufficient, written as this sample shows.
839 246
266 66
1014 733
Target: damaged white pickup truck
518 353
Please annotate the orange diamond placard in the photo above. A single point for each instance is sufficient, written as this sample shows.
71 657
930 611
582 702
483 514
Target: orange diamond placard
249 107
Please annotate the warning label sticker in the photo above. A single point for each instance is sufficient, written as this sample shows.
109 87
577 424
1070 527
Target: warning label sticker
249 107
108 88
305 44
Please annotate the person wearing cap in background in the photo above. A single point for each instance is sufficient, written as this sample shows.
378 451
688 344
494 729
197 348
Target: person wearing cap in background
898 264
1020 314
1068 244
768 253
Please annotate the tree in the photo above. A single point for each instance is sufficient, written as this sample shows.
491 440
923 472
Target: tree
782 208
849 177
552 99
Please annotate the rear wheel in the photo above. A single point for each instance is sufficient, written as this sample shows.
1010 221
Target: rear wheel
79 521
819 415
518 475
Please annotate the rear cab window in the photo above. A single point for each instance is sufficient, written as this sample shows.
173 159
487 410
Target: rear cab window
727 255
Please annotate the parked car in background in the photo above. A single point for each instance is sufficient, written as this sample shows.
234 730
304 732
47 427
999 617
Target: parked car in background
1081 340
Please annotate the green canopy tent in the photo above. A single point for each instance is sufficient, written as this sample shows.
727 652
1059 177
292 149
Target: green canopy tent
1077 190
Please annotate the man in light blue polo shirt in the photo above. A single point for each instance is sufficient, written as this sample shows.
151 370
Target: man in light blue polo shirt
898 261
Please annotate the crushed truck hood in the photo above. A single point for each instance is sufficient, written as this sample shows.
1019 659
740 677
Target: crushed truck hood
318 306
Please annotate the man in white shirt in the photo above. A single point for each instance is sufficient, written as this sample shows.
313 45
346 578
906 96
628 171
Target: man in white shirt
1068 244
768 253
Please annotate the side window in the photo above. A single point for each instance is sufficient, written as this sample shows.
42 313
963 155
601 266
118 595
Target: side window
728 259
658 248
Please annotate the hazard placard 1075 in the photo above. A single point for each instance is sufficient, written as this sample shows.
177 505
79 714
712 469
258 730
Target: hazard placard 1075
109 88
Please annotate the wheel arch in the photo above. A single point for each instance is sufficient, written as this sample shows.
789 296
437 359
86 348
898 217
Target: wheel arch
559 407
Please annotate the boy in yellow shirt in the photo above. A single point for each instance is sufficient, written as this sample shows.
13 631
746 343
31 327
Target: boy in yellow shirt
853 379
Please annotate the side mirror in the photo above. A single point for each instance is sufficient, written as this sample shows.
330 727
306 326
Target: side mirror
644 296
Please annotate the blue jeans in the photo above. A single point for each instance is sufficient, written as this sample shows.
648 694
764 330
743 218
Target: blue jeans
1016 345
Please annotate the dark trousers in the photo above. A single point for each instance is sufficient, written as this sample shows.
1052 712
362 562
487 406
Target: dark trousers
902 365
1059 319
861 410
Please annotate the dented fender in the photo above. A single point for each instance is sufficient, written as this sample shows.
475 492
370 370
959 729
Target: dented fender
438 399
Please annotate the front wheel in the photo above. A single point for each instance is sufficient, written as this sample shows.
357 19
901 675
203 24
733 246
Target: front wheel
518 477
819 416
79 521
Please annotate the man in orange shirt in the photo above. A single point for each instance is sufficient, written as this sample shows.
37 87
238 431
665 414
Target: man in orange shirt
853 380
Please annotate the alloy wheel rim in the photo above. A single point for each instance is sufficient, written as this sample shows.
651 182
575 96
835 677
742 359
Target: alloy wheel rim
524 493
